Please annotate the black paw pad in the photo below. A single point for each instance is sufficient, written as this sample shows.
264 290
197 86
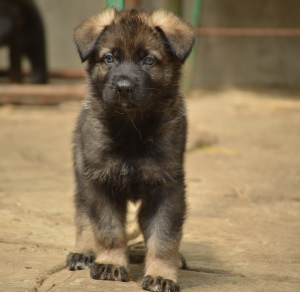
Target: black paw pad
159 284
79 261
108 272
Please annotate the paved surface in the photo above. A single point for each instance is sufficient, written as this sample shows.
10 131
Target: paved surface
243 176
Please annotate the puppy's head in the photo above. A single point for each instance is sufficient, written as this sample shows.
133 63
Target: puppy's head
134 58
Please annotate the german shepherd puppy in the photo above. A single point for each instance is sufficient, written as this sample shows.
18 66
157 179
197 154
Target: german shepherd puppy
129 143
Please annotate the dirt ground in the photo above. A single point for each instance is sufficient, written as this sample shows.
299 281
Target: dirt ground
243 177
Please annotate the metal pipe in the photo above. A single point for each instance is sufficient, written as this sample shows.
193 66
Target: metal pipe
190 66
276 32
118 4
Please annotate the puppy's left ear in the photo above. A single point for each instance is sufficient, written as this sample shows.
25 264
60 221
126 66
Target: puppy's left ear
177 33
87 34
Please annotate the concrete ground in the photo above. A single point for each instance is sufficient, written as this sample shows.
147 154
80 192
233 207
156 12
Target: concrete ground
243 177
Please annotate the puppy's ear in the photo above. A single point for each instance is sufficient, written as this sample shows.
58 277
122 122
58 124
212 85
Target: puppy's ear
177 33
87 33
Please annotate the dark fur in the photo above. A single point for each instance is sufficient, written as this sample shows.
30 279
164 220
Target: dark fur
129 143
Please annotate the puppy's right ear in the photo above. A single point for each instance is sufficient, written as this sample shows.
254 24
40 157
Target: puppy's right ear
87 33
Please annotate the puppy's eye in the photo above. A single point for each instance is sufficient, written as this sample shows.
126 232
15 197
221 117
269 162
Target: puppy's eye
109 59
149 61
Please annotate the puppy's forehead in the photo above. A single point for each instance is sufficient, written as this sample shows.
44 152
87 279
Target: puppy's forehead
130 34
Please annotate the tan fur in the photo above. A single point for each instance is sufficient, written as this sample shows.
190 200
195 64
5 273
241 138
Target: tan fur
87 33
165 268
117 256
85 239
173 27
103 51
162 262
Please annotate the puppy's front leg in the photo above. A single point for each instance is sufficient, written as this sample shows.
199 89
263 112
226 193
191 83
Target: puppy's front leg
161 218
107 214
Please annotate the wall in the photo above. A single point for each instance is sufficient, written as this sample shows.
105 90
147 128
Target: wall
60 19
249 61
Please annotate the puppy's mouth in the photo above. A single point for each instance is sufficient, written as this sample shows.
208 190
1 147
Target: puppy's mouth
128 106
126 101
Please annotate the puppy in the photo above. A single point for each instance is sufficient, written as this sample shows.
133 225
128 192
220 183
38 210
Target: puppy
129 143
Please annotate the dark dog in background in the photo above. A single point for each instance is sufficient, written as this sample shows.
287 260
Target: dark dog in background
129 143
22 29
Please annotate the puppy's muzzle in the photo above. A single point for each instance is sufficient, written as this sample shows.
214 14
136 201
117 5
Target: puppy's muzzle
125 90
125 87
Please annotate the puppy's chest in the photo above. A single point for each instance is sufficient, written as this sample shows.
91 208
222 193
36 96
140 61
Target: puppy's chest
135 164
132 164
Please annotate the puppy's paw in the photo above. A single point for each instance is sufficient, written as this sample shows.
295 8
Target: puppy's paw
108 272
79 261
159 284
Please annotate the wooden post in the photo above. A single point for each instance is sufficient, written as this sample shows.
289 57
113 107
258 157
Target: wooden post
174 6
132 4
15 58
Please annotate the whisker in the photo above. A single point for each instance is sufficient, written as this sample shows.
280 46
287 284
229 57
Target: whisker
134 125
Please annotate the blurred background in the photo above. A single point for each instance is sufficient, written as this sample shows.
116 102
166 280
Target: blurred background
240 43
242 161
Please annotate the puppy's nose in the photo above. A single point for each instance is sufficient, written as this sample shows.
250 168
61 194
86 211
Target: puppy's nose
124 87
